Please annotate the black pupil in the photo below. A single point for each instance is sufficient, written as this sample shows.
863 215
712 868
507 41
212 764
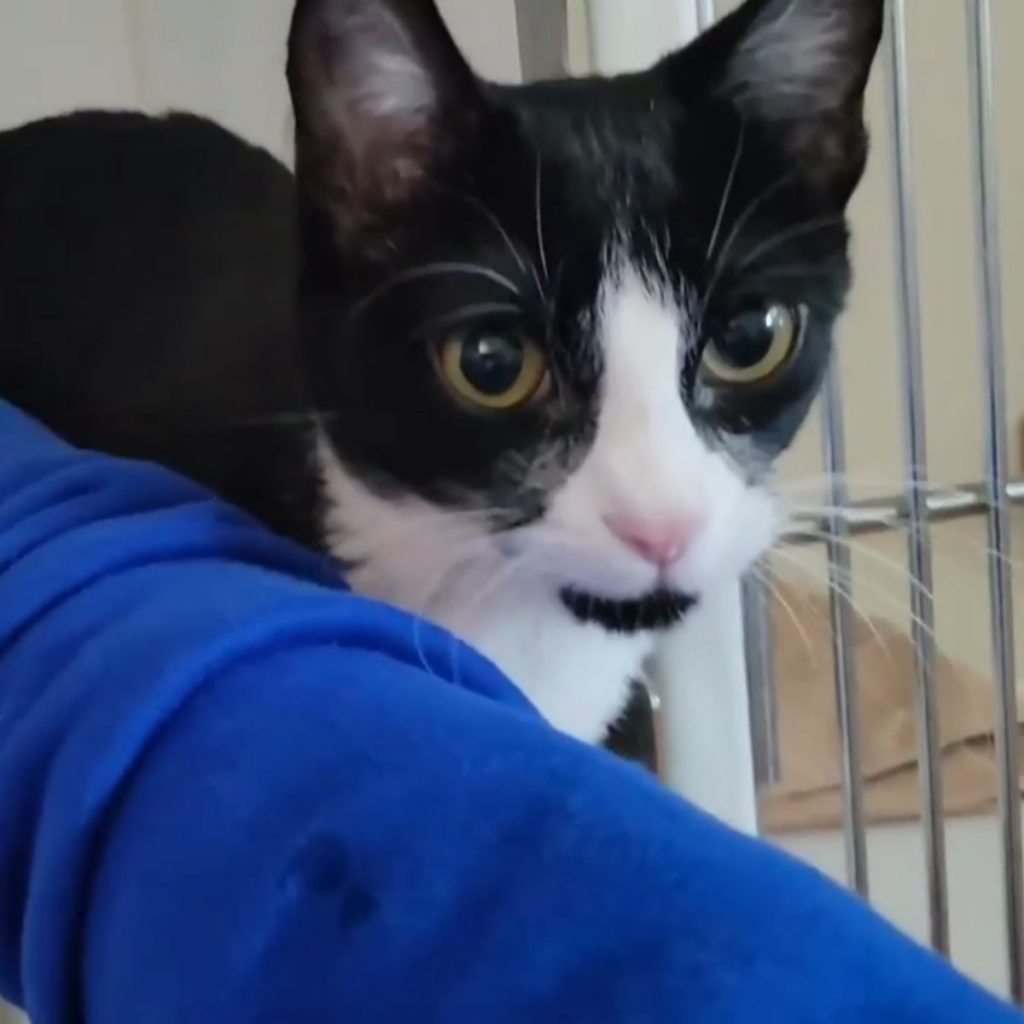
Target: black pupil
492 363
749 337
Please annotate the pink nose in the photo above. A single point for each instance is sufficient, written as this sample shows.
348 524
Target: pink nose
661 543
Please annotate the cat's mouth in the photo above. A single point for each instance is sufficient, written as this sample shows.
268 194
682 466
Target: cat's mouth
658 610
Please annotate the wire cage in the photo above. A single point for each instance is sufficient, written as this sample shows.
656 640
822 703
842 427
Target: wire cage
915 510
911 511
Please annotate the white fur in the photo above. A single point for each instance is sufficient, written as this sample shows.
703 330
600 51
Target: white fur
451 570
794 61
500 592
395 81
648 461
382 88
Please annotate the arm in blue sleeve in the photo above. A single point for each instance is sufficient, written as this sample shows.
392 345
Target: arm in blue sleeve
231 793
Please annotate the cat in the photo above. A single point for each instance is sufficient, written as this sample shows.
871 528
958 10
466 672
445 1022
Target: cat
520 357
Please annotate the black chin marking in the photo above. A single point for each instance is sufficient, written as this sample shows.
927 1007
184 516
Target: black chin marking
657 611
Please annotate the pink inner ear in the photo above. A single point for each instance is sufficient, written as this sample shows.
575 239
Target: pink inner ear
803 58
375 91
366 106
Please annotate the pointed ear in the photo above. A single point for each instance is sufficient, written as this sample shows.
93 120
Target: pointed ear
800 69
381 94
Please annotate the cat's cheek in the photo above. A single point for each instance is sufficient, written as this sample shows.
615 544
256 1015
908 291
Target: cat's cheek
738 534
591 562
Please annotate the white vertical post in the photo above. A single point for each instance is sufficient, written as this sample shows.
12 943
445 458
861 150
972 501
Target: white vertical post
707 753
701 671
627 36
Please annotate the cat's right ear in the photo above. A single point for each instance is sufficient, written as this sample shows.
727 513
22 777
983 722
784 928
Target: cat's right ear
799 69
382 97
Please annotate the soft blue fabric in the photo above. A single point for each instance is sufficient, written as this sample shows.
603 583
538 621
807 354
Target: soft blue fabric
231 793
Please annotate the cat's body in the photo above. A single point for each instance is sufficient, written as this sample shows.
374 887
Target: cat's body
519 358
148 297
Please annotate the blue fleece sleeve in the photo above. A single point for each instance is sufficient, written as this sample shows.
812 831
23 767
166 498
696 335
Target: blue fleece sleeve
231 793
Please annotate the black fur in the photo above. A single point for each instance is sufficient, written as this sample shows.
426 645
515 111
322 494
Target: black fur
655 612
148 280
635 735
167 292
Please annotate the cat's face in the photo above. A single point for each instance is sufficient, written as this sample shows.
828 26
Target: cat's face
566 328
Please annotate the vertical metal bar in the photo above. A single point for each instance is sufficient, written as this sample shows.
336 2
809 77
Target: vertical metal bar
705 13
543 29
919 530
987 217
758 639
840 583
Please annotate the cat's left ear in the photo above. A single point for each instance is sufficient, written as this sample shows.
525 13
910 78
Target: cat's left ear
382 97
800 69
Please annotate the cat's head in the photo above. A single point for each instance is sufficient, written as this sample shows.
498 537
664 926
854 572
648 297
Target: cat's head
566 327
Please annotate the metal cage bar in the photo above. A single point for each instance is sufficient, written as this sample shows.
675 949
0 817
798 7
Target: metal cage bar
915 510
759 644
919 531
840 584
705 11
542 27
1000 580
879 515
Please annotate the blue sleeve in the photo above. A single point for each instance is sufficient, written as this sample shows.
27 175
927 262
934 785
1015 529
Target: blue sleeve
231 793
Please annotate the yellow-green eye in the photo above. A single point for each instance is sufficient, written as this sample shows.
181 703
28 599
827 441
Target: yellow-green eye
754 346
493 371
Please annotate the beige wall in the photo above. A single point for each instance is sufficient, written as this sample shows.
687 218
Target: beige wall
223 58
869 355
943 188
868 338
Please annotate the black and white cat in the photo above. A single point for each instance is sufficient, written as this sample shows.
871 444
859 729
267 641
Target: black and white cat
521 358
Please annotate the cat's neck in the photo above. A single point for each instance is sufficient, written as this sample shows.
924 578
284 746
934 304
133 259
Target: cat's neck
578 676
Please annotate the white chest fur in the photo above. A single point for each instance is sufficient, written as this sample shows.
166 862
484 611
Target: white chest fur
577 675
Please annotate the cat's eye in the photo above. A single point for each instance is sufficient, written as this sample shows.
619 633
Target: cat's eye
754 346
493 371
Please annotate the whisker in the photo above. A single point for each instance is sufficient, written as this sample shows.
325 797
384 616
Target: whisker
863 550
763 572
467 532
555 289
526 266
945 539
738 226
419 607
767 280
796 231
798 269
729 183
435 325
284 419
883 593
491 218
539 202
496 581
770 585
430 270
896 484
855 607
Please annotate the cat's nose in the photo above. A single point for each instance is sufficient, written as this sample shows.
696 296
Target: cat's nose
658 542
